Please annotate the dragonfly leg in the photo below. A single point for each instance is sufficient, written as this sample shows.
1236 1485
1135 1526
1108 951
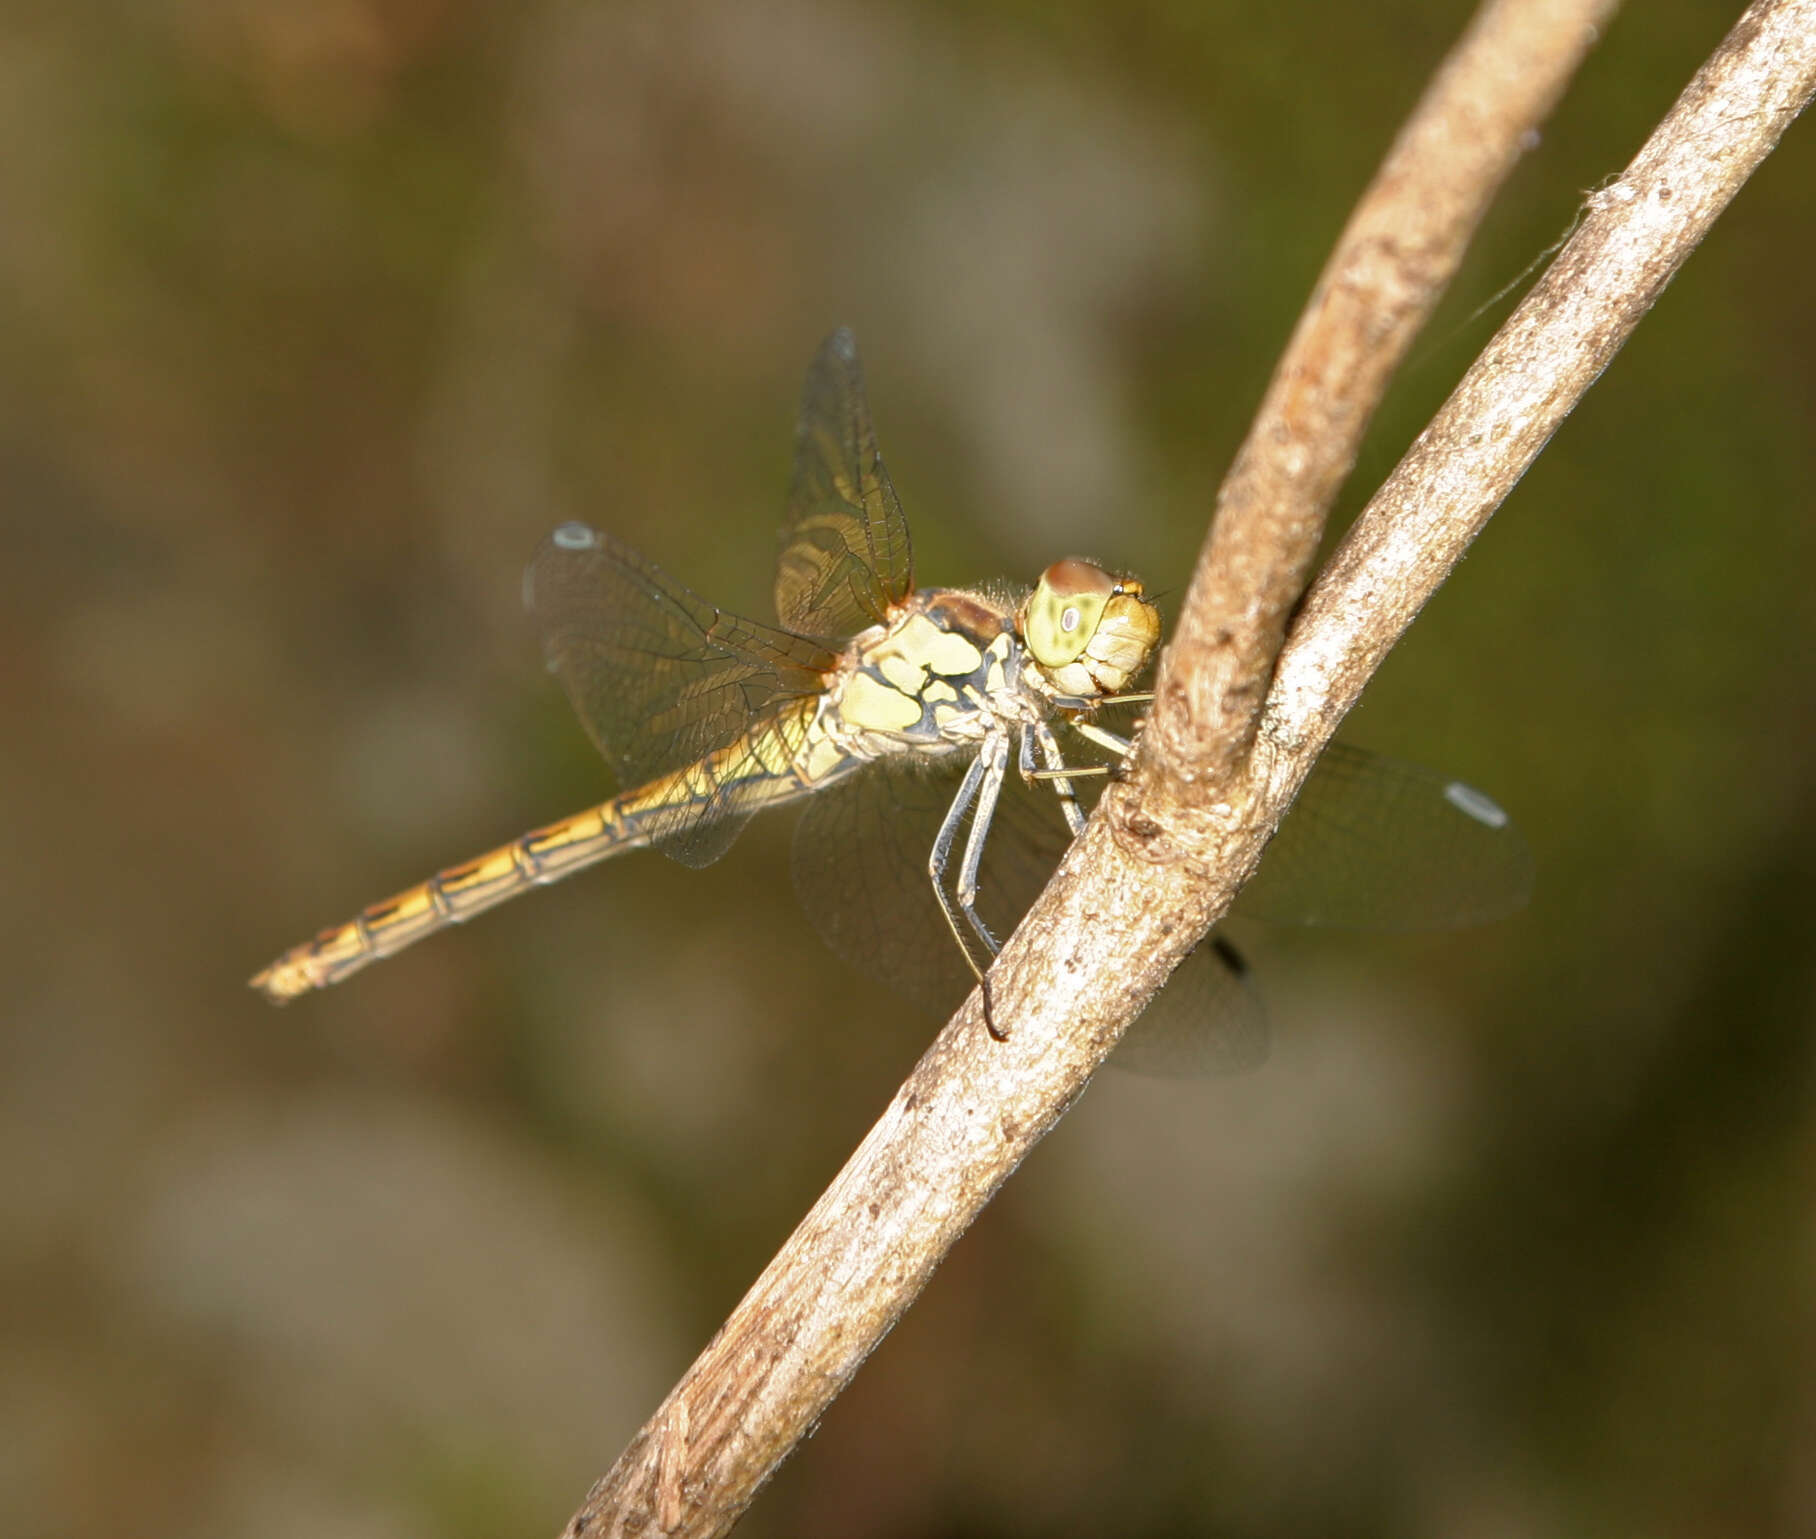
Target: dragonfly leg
1062 772
937 862
1056 773
1115 742
1025 754
995 760
957 911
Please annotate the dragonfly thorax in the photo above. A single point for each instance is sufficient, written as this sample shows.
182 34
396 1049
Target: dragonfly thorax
952 669
945 672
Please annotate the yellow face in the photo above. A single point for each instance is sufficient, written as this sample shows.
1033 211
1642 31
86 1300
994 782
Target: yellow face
1091 633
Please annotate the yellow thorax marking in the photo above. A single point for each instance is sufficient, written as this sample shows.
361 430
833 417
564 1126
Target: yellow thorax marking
904 675
915 658
926 649
876 707
823 757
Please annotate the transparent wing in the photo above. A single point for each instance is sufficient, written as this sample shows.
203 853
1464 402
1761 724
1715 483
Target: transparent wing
1207 1020
1373 843
845 557
860 867
662 680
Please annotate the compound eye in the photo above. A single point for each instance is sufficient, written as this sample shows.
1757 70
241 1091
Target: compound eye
1062 614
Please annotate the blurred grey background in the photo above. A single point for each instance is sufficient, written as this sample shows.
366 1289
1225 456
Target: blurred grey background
315 315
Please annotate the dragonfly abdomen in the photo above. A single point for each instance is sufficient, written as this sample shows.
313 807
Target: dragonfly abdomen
449 897
758 770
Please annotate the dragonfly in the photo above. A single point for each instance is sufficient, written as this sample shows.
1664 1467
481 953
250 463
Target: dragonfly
946 743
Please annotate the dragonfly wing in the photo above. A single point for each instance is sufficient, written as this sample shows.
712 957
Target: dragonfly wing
1373 843
661 679
845 558
860 870
860 867
1208 1019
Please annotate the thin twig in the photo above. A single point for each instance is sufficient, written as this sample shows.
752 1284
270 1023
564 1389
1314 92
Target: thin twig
1637 231
1141 884
1389 268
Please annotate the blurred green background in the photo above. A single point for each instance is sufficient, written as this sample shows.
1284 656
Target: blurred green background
315 315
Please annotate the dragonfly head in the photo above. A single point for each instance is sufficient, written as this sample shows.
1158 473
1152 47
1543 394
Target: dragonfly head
1090 632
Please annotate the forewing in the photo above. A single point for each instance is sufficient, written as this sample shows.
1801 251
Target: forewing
660 678
845 558
1373 843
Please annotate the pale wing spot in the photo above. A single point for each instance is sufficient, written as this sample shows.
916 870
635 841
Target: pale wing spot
575 536
1472 803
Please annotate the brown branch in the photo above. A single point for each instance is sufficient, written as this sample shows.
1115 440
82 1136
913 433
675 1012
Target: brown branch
1144 882
1636 232
1390 266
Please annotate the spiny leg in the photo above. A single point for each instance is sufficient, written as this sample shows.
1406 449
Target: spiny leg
939 859
1115 742
1056 772
995 759
994 756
